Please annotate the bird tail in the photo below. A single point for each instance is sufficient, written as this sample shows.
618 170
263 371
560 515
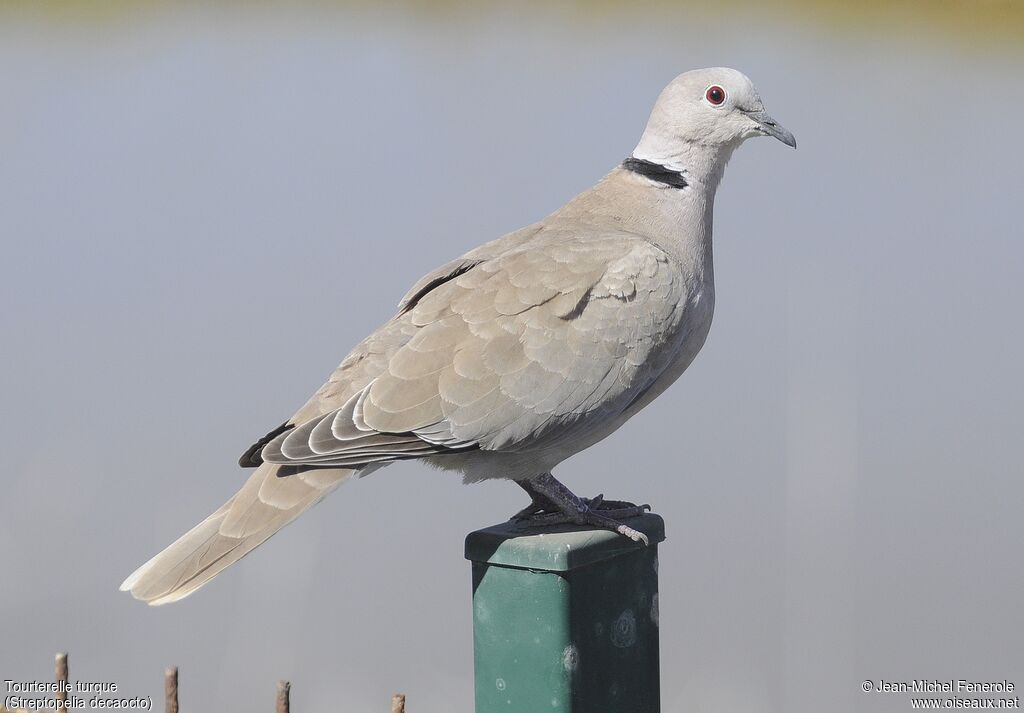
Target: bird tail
266 503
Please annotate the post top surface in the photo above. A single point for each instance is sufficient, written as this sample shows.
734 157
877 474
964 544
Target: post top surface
556 549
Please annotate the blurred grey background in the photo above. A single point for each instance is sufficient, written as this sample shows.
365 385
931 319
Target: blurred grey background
190 194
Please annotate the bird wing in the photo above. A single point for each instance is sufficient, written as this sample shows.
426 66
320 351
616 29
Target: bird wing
556 335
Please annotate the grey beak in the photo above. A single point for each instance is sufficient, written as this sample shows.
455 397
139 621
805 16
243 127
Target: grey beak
769 127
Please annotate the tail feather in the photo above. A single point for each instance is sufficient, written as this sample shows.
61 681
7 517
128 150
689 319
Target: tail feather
264 505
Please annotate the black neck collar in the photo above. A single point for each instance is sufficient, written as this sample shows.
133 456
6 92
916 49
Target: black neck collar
655 172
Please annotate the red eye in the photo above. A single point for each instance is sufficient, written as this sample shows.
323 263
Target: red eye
715 95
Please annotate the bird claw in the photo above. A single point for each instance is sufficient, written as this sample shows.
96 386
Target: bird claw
606 518
554 504
632 534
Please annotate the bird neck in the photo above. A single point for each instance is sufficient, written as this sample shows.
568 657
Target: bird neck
666 196
656 172
699 165
683 180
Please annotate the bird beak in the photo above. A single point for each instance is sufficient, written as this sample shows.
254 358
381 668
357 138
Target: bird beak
769 127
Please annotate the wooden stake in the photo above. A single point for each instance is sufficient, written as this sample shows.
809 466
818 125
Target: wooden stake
284 703
171 690
398 703
61 674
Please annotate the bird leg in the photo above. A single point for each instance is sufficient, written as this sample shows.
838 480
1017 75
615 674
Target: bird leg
551 503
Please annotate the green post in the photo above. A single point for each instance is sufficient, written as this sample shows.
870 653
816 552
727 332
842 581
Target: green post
565 619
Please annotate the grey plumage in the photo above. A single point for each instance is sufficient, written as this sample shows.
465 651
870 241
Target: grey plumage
508 360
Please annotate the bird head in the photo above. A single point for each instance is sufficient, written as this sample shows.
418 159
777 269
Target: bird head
716 108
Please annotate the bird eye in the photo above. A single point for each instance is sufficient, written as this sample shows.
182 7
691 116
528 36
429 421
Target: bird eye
715 95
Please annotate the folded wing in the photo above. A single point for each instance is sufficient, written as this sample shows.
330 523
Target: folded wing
506 354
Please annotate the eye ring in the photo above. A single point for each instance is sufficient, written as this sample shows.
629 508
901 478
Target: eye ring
715 95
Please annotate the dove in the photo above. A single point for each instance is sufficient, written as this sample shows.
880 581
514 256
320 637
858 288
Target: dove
506 361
